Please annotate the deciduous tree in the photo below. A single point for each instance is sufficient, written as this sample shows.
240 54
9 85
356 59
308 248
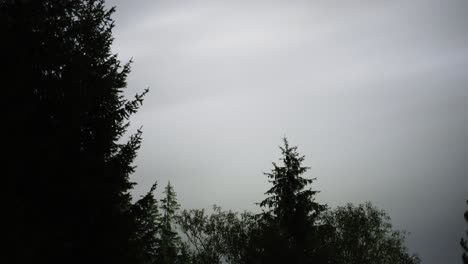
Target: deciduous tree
219 237
363 235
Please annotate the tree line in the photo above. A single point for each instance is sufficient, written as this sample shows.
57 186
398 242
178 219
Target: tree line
68 166
291 227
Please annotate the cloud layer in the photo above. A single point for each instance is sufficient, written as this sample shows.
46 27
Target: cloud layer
373 92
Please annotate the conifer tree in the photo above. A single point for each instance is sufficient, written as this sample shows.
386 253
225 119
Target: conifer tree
145 240
291 216
170 241
67 166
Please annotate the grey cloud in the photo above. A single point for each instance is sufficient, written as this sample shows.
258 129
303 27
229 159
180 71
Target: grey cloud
373 92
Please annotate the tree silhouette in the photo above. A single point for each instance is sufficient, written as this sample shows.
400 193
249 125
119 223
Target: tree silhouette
463 242
293 228
220 237
145 240
291 217
67 165
364 235
170 241
203 237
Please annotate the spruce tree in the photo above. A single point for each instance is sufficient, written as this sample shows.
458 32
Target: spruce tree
67 164
170 241
291 216
145 240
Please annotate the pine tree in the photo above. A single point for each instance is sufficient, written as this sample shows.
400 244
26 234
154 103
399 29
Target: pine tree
170 241
67 170
291 214
464 243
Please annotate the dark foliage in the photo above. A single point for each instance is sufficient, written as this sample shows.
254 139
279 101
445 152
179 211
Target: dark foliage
293 228
291 232
68 165
145 240
363 235
464 242
221 237
170 240
154 238
67 168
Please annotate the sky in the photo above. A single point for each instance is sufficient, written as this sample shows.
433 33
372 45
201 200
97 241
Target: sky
374 94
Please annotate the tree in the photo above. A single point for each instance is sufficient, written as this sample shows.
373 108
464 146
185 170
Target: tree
204 243
67 165
463 242
145 240
170 241
290 222
364 235
219 237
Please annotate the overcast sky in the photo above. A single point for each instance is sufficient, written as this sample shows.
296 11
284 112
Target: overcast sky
374 93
